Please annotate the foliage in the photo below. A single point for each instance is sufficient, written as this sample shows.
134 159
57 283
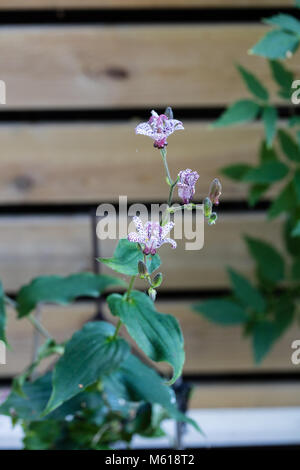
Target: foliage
267 307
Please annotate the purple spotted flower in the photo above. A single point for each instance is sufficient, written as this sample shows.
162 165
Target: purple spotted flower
186 185
151 235
159 127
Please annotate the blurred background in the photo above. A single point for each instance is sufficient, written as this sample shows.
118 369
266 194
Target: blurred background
79 76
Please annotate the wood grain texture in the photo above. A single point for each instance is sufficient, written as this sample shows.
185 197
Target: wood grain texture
32 246
245 395
128 66
140 3
77 163
61 322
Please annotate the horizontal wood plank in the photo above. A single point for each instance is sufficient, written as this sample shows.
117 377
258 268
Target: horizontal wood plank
75 163
61 322
140 3
128 66
209 348
32 246
245 395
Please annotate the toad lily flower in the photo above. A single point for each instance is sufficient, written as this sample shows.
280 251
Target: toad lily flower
151 235
159 127
186 185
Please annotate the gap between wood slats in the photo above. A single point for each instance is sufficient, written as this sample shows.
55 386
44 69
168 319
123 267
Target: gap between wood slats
140 66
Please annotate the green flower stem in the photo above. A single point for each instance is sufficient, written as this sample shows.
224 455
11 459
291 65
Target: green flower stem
127 295
34 321
163 153
38 326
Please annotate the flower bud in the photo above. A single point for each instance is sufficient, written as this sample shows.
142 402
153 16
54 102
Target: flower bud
169 112
142 268
152 293
215 191
207 207
212 219
157 280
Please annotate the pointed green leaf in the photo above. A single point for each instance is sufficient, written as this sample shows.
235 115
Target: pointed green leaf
268 172
222 311
285 202
269 261
246 292
253 84
62 290
126 258
276 45
286 22
255 193
292 240
237 171
264 337
267 154
283 77
144 384
238 112
89 354
157 334
2 315
269 117
296 230
289 146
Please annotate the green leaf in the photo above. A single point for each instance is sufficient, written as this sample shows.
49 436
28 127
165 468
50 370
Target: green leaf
276 45
294 121
296 269
222 311
270 262
246 292
264 336
89 354
157 334
296 230
267 154
126 258
255 193
268 172
253 84
62 290
239 112
149 387
296 183
289 146
286 22
237 171
269 117
2 315
284 202
292 241
283 77
266 333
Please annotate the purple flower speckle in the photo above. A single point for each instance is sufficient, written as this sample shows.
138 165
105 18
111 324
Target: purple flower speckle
151 235
158 128
186 185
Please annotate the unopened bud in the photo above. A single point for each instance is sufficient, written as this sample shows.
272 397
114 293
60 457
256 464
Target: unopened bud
142 268
215 191
157 280
213 218
169 112
152 293
207 207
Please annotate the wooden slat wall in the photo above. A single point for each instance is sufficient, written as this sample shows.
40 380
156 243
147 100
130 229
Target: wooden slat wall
141 3
118 67
105 67
43 163
33 246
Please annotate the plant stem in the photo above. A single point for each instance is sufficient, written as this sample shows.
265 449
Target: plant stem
38 326
163 153
126 297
